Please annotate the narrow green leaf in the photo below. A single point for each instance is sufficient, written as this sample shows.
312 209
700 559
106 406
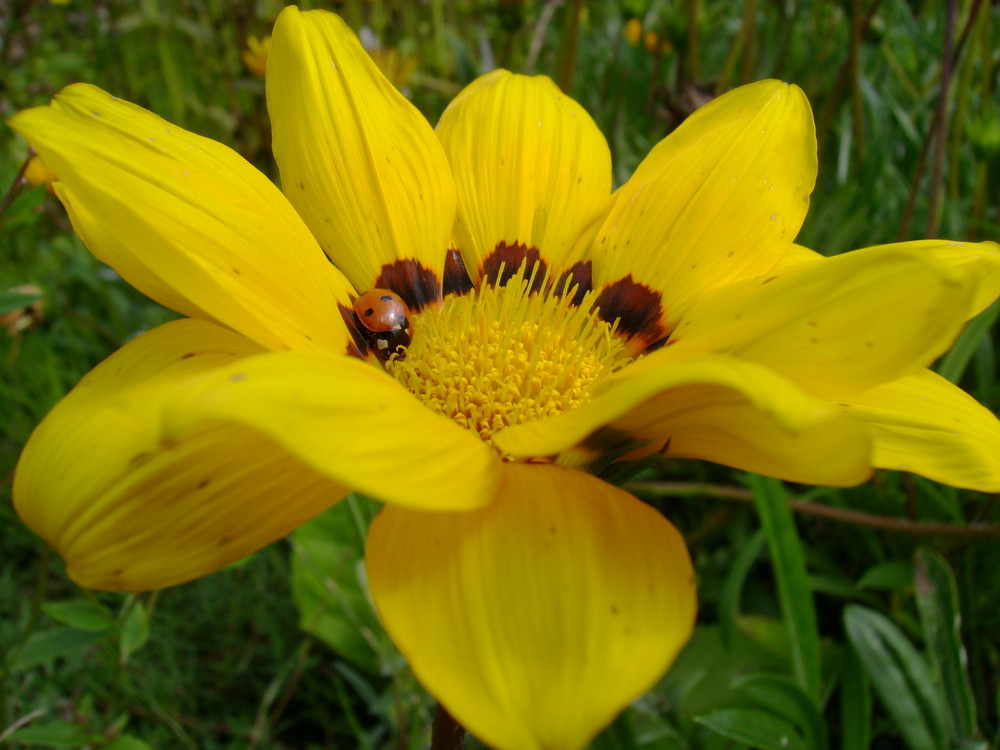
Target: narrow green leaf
57 734
328 582
855 704
81 614
953 364
755 728
781 697
48 645
732 589
901 678
794 589
10 301
937 601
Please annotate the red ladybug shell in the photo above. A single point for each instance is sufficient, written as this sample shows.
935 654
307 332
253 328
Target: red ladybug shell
382 317
381 310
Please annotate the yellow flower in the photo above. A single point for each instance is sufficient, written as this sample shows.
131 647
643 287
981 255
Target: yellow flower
633 31
394 65
551 323
38 172
256 53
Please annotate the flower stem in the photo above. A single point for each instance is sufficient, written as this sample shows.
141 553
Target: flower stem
446 733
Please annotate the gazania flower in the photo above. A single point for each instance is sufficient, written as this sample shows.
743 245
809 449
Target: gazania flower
37 172
256 53
488 320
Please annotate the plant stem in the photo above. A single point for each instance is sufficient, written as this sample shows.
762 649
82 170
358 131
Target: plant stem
446 733
940 126
856 517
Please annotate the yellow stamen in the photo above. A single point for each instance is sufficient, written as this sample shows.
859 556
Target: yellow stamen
501 356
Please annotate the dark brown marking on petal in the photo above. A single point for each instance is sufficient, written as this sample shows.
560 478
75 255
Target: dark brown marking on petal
638 310
768 281
188 355
579 275
456 278
510 258
358 345
417 285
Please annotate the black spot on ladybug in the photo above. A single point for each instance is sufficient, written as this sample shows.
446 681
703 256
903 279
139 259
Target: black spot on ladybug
638 310
578 275
499 266
416 284
456 278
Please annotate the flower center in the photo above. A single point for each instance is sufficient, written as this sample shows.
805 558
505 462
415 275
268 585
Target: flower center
500 356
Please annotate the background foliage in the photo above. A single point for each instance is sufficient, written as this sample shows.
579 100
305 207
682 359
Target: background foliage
820 627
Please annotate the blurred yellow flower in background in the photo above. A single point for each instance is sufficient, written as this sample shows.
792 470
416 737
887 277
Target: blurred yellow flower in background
633 31
256 53
38 172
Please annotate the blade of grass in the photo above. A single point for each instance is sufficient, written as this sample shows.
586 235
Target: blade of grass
900 676
794 590
953 364
937 601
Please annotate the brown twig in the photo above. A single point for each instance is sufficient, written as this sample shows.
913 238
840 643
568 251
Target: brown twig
16 185
446 733
855 517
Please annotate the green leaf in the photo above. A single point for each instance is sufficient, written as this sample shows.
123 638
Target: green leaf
732 589
901 678
58 734
81 614
134 632
48 645
894 575
781 697
794 589
328 582
937 601
855 704
953 364
10 301
755 728
618 736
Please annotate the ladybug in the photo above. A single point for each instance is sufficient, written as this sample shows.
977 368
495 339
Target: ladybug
382 316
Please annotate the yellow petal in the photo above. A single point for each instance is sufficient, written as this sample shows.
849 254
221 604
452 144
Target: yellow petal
710 407
358 161
187 221
797 254
351 421
133 508
532 170
840 326
537 619
197 433
720 199
979 260
924 424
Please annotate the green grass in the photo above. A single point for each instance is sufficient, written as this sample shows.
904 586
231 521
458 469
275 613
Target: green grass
223 662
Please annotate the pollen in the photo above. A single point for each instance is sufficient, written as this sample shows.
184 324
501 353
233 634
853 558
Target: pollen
503 355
